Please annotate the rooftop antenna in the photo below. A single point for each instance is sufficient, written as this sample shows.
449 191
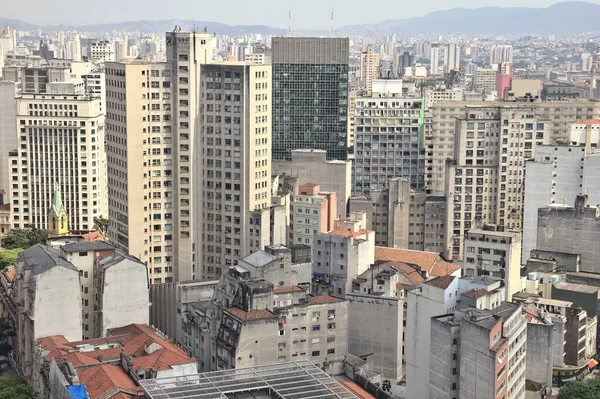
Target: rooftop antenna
290 21
332 29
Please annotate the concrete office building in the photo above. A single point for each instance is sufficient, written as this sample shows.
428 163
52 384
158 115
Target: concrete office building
484 80
434 59
501 53
503 78
494 253
404 218
234 188
572 230
433 96
102 51
61 141
441 135
451 57
556 176
312 212
339 256
388 142
312 166
9 90
309 115
141 170
479 353
369 67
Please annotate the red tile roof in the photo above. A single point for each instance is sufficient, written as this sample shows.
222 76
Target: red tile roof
316 300
588 121
348 233
10 273
476 293
102 379
410 273
286 289
252 315
357 390
441 282
430 262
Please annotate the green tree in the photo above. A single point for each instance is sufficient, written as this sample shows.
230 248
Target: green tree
587 389
37 236
15 388
17 238
8 257
101 225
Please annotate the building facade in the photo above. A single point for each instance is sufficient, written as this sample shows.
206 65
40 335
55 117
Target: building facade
310 95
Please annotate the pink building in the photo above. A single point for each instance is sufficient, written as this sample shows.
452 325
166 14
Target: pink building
503 77
313 212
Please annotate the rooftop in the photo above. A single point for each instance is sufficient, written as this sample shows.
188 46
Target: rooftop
441 282
476 293
252 315
287 289
588 289
288 380
40 258
348 233
588 121
430 262
87 246
259 258
321 299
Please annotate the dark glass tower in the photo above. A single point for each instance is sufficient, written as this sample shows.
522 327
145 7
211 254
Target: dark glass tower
310 95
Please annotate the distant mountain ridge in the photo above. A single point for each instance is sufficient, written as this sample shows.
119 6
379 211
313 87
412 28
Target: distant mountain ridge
561 19
158 26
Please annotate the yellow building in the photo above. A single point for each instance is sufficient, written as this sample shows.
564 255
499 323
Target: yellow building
58 225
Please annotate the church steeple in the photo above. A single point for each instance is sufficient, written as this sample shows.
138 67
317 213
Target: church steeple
58 224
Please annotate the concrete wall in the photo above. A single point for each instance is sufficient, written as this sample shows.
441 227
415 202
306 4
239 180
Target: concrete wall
57 306
444 359
312 166
540 345
375 327
125 296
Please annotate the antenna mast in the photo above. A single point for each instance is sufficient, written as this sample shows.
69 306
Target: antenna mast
332 29
290 22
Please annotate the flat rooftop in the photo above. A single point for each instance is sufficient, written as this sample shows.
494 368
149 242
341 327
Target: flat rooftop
287 380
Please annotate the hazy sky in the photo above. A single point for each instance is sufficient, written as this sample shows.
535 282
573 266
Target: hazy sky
313 14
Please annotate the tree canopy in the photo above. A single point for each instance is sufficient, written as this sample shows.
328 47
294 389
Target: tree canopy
15 388
24 238
587 389
8 257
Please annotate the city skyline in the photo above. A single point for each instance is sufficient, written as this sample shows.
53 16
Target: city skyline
303 17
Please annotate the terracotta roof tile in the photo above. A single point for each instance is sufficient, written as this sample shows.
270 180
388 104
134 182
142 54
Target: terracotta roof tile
286 289
410 273
357 390
430 262
99 380
52 342
252 315
348 233
441 282
588 121
10 273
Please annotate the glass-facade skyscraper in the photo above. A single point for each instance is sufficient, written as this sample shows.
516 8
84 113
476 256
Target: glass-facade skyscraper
310 96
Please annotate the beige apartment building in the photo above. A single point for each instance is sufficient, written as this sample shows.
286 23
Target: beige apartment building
369 67
61 141
443 116
485 177
140 164
234 165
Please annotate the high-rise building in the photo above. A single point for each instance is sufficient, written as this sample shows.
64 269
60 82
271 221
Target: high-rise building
388 142
405 60
310 95
500 53
61 141
434 59
369 67
234 169
451 57
503 78
485 179
484 80
141 169
8 134
102 51
186 53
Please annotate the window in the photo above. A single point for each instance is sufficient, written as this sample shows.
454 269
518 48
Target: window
316 353
330 351
281 332
316 327
331 326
